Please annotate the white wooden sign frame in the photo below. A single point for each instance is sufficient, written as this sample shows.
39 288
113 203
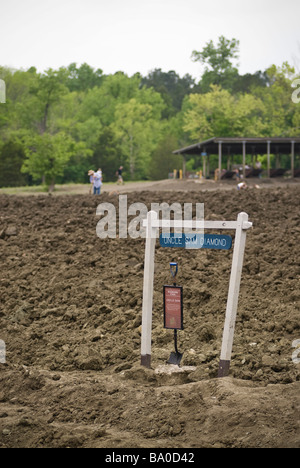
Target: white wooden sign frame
152 224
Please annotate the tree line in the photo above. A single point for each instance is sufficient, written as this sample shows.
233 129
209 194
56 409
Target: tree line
58 124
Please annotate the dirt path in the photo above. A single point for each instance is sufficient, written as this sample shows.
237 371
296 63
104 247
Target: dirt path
152 186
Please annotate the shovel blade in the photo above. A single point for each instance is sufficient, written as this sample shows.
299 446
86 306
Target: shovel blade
175 359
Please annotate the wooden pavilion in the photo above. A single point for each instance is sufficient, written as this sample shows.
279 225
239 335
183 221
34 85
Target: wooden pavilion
227 147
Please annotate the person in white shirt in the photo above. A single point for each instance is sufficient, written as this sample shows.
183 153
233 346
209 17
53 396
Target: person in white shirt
97 182
242 186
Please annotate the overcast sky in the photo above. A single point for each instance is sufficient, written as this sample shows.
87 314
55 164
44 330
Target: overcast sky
141 35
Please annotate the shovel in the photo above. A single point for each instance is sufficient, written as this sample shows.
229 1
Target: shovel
176 356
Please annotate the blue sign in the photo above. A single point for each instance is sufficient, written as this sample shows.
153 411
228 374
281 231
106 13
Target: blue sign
208 241
196 241
172 240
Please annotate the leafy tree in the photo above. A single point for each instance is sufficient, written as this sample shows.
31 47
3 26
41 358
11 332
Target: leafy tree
218 58
163 161
48 155
12 156
83 78
279 109
89 131
48 89
296 121
107 155
65 114
136 132
218 113
13 114
217 61
101 101
246 83
171 87
4 117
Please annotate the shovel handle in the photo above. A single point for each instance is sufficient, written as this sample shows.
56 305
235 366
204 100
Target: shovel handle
176 341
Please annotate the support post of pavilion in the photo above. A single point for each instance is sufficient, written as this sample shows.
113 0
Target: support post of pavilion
293 158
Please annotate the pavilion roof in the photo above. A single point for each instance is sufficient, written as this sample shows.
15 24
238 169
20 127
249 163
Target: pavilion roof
234 145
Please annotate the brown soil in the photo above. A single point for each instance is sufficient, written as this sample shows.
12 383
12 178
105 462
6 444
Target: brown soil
70 315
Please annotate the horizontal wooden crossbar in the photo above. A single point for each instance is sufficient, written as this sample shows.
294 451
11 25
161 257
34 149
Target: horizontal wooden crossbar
163 223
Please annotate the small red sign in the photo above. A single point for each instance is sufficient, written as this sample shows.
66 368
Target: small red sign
173 307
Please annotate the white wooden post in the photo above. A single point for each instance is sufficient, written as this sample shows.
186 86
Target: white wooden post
148 290
233 294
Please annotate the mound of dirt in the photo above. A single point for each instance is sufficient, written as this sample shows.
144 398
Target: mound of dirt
70 316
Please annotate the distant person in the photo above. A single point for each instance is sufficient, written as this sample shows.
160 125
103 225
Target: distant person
97 182
242 186
120 175
237 174
258 165
91 176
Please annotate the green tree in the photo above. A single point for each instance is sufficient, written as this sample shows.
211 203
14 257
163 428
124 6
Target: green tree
218 63
163 161
246 83
107 155
48 88
47 156
218 113
136 131
280 111
83 78
13 114
101 102
171 87
12 156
